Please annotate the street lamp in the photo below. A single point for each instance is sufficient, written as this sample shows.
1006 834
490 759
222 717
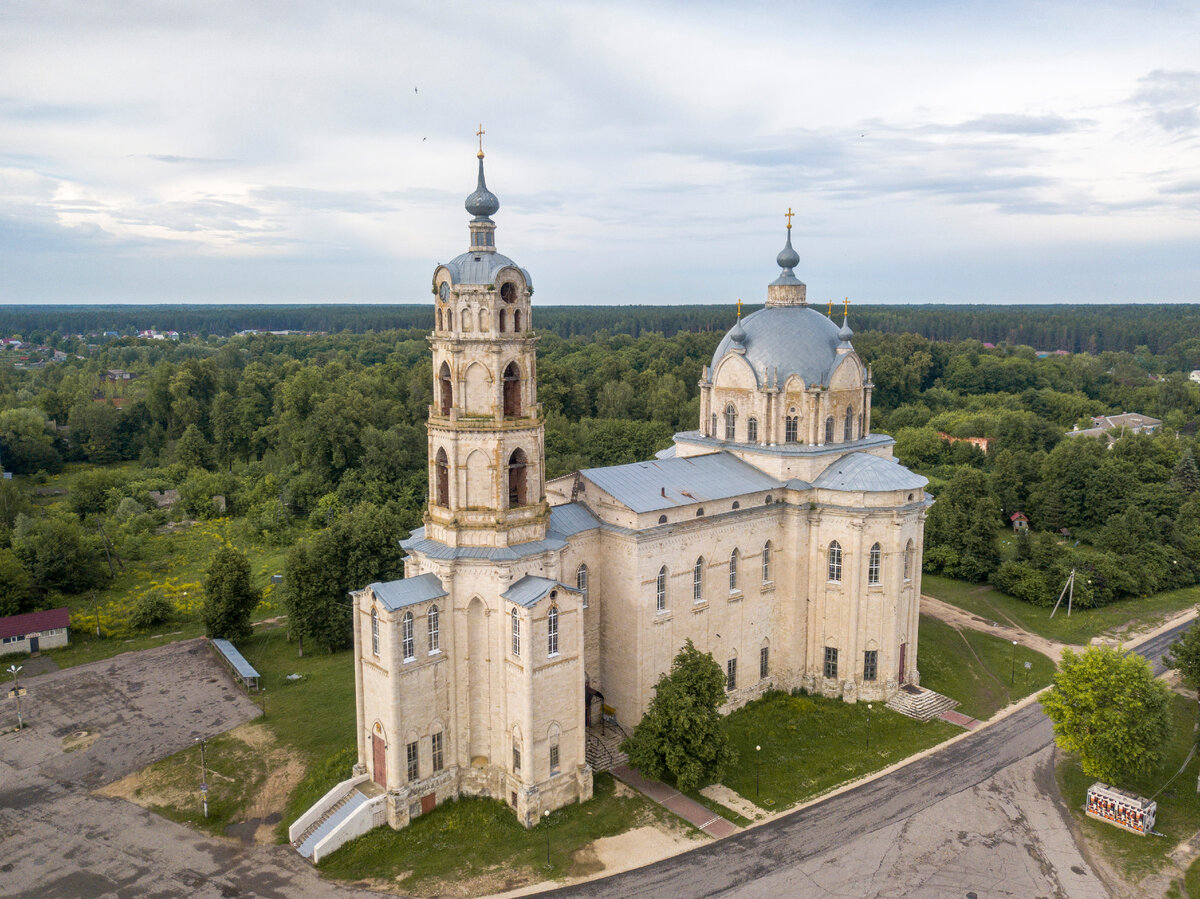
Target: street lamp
546 819
757 750
203 777
868 727
1014 663
14 670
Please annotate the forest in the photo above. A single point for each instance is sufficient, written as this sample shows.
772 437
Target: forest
307 451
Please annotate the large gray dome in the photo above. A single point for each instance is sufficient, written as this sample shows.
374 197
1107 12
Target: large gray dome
785 340
481 268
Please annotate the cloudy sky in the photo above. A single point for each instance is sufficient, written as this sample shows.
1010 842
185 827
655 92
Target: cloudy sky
271 151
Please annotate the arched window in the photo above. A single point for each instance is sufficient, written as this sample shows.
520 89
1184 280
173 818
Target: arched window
791 429
733 571
835 561
581 581
660 590
908 561
662 519
503 327
449 319
508 293
829 429
435 637
752 430
712 431
873 565
517 475
698 580
552 632
446 388
375 632
483 320
730 421
443 478
848 427
766 562
439 319
512 391
552 740
700 511
516 633
516 321
731 674
764 659
406 637
464 318
736 505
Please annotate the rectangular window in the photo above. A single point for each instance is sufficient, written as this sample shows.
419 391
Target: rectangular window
791 428
660 591
870 664
516 634
731 674
752 430
830 662
516 758
763 661
554 758
411 753
14 639
436 751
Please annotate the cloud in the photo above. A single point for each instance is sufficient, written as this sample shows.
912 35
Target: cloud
1171 98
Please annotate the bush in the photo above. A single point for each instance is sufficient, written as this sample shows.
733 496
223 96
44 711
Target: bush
151 610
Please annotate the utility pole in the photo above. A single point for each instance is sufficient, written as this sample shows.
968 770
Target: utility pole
1068 591
203 777
97 612
16 692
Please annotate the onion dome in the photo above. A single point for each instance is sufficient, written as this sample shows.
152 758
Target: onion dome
482 203
737 336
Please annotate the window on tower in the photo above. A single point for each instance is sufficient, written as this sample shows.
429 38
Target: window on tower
512 391
791 429
848 427
443 479
730 421
446 388
517 475
516 321
508 292
829 429
752 430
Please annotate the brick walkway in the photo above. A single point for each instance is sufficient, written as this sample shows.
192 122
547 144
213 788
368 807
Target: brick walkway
960 719
674 801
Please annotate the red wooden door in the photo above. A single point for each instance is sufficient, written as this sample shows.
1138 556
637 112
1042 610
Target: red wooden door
380 760
428 803
903 648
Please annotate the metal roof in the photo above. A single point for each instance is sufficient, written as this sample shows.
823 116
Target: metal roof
863 471
570 519
235 658
408 591
34 622
788 339
480 267
531 589
668 483
436 550
788 449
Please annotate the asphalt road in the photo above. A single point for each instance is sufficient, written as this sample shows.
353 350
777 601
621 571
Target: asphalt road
731 867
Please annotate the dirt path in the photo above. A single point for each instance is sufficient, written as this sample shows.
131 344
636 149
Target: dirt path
958 618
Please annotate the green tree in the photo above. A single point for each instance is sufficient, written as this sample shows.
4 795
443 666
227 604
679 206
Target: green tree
57 553
229 598
355 550
681 737
1107 707
1184 656
16 587
192 449
1186 474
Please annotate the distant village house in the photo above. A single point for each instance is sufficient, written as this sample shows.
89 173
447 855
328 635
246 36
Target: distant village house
34 631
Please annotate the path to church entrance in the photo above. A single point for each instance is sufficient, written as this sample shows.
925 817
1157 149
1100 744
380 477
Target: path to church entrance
60 839
674 801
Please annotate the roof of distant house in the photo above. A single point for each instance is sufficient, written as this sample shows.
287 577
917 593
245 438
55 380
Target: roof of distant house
34 622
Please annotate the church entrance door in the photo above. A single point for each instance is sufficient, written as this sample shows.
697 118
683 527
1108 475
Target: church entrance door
380 768
903 648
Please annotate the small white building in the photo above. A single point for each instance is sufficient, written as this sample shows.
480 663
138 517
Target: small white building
34 631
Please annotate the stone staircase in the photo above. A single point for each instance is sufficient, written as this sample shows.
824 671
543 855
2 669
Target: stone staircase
603 747
339 812
919 703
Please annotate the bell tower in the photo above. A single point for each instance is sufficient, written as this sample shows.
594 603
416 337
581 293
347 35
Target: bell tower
486 443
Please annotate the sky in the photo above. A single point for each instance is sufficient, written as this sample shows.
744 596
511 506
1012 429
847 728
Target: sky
261 151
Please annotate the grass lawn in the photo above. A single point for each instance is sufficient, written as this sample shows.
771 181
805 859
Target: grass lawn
989 603
1178 811
481 840
811 744
1192 881
978 669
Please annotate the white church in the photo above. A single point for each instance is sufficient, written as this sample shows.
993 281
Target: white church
780 536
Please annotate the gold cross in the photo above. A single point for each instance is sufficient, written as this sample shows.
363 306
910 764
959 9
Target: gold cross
846 308
830 312
739 308
789 217
479 134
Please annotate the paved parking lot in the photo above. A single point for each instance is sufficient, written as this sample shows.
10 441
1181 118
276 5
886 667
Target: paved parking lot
58 839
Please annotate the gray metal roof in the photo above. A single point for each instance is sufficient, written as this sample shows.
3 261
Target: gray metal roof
531 589
481 268
570 519
667 483
236 659
790 339
863 471
409 591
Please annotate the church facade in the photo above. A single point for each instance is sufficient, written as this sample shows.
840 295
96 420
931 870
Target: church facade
780 536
